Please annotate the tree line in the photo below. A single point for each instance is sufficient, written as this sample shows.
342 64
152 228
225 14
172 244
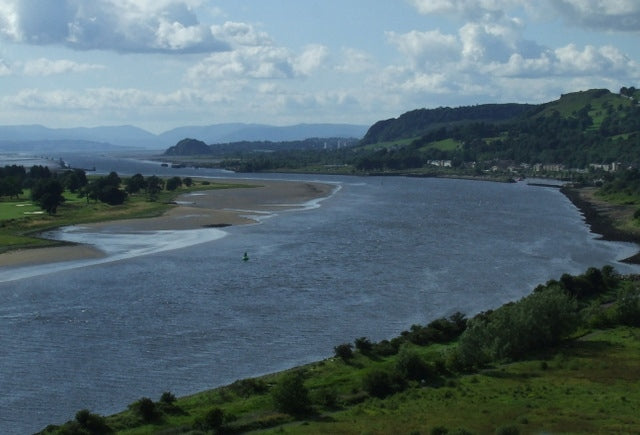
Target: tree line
47 187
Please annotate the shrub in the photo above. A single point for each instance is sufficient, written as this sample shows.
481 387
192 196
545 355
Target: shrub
249 387
344 351
291 396
628 307
386 347
412 366
92 423
212 420
363 345
508 430
146 409
380 383
167 398
326 397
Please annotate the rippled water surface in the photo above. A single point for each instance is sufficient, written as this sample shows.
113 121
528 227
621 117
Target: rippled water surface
376 257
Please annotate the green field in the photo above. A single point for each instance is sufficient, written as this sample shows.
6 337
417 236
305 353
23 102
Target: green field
21 220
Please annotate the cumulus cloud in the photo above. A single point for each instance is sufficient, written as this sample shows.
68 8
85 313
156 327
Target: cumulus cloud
618 15
258 62
240 34
169 26
426 48
47 67
468 9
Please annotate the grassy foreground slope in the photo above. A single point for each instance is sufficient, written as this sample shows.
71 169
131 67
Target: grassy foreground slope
561 360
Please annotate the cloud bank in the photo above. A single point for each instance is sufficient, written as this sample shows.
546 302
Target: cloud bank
138 26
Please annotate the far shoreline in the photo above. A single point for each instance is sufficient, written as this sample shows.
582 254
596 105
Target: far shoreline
599 222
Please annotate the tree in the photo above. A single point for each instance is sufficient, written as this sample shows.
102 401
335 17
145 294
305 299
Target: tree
363 345
187 181
291 396
75 180
10 186
146 409
47 193
154 186
112 195
135 183
92 423
344 351
173 183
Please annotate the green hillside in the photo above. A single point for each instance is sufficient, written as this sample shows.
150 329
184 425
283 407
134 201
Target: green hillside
578 130
562 360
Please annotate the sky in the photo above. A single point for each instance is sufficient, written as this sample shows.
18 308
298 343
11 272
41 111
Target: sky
160 64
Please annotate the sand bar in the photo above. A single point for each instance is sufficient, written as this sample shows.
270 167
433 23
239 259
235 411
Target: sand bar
208 208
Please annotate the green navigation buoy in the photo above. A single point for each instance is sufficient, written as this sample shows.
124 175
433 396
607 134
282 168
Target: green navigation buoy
245 257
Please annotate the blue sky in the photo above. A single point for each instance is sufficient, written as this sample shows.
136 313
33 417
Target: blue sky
159 64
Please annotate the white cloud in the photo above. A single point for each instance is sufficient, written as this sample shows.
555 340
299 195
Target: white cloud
616 15
354 61
426 50
169 26
257 62
240 34
469 9
312 58
46 67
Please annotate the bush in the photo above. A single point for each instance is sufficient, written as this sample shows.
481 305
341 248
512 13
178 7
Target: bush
537 321
212 420
291 396
344 351
410 365
380 383
508 430
363 345
167 398
92 423
249 387
326 397
627 309
386 347
146 409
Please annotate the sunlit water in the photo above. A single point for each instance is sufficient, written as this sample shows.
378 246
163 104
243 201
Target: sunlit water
181 312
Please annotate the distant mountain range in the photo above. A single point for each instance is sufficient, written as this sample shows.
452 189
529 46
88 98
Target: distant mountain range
37 138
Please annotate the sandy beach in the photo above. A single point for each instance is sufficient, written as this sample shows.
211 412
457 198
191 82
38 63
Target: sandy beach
207 208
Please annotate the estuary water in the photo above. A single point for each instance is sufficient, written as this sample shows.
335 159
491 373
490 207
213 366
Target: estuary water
181 312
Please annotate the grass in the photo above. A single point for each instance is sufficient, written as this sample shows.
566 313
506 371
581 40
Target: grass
587 385
21 220
443 145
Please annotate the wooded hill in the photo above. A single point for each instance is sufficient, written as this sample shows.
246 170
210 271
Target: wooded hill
580 129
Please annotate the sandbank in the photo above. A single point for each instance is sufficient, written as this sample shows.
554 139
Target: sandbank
207 208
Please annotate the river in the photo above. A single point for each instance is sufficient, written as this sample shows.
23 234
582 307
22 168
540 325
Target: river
176 312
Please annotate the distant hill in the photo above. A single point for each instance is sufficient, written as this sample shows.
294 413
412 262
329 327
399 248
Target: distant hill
188 147
192 147
228 133
38 137
418 122
579 130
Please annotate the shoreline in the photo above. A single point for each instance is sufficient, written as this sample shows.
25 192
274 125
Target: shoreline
601 218
217 208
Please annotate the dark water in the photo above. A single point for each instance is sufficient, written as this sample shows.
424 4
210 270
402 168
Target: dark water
376 257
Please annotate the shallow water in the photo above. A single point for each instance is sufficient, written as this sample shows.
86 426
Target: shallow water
378 256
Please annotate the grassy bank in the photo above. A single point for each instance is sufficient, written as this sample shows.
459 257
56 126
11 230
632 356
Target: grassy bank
584 378
21 221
